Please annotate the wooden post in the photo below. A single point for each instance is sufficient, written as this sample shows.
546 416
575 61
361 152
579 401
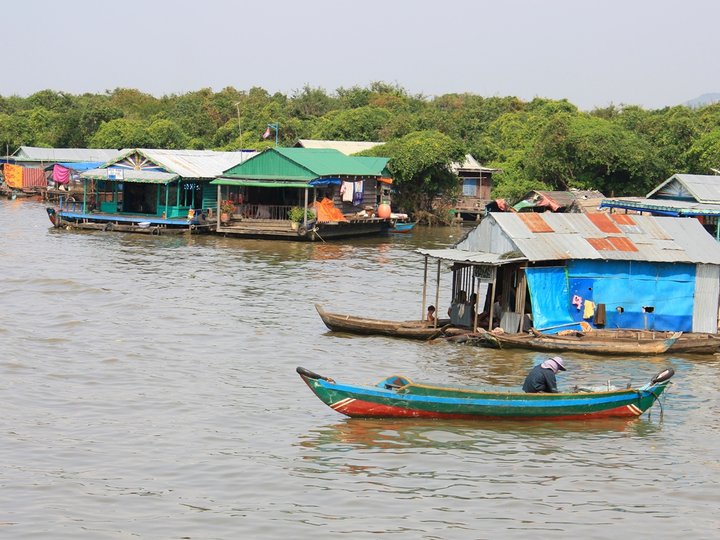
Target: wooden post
492 301
424 296
476 291
306 209
437 293
219 202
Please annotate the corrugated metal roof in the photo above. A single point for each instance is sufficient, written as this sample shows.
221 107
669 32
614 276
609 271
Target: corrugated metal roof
470 164
642 238
57 155
705 188
457 255
667 206
190 163
132 175
346 147
303 164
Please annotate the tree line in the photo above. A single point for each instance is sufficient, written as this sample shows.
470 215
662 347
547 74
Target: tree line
538 144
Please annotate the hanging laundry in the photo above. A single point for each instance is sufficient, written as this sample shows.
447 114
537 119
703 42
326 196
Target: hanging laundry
589 309
600 315
347 191
577 301
61 174
13 175
358 195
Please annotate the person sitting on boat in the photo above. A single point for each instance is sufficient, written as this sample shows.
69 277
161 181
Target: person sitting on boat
430 315
542 377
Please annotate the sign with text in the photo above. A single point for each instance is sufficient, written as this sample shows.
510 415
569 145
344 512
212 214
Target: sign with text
115 173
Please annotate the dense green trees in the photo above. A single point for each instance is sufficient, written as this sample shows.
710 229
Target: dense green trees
543 143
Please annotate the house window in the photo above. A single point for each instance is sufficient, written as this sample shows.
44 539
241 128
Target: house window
470 186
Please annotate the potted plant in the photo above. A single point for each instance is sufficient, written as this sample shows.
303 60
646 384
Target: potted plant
296 215
227 209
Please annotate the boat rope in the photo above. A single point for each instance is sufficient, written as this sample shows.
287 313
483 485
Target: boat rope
315 230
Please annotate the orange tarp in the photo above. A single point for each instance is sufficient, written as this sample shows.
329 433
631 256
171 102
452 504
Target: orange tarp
325 211
13 175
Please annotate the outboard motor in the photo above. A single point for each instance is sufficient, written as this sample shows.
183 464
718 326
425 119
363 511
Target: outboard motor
663 376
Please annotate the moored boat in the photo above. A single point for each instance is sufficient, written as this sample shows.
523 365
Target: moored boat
399 397
361 325
581 342
688 342
402 227
127 223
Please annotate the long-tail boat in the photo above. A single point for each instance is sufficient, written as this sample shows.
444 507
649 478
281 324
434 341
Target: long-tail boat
688 342
360 325
581 342
399 397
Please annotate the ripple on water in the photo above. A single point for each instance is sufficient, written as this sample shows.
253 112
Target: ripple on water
149 390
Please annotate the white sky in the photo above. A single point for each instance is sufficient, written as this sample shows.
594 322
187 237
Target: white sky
593 52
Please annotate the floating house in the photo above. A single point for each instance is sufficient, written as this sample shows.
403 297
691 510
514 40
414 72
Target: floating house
476 183
151 190
336 195
552 271
681 195
30 169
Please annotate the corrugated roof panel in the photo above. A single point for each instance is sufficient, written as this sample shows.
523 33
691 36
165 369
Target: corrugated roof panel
458 255
195 163
601 244
622 219
659 239
652 229
696 243
603 223
622 244
705 187
535 223
346 147
57 155
512 225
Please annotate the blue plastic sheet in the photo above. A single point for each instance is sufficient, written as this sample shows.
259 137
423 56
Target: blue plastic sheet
549 295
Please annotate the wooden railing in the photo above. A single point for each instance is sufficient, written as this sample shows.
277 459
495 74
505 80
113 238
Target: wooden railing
262 211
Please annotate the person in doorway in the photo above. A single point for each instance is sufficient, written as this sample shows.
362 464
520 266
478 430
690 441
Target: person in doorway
541 378
430 317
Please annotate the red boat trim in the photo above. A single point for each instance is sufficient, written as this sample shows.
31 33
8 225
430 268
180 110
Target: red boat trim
366 409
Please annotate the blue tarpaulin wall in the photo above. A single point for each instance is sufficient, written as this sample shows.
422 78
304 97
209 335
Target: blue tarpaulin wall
549 295
668 287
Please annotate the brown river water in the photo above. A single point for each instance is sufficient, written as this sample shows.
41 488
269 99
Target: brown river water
149 390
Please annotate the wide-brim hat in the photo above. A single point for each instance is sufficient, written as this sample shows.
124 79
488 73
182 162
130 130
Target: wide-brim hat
560 362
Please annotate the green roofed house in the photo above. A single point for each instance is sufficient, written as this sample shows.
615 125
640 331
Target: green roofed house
148 190
304 194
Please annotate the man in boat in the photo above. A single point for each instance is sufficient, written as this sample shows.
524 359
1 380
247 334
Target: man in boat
542 377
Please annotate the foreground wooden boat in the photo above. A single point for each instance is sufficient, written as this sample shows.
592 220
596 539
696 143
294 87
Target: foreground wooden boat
581 342
361 325
399 397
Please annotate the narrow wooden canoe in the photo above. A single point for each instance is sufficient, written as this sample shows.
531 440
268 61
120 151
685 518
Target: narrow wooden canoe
399 397
688 342
360 325
587 343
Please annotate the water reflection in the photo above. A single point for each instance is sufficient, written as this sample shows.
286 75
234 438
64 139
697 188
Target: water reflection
358 433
